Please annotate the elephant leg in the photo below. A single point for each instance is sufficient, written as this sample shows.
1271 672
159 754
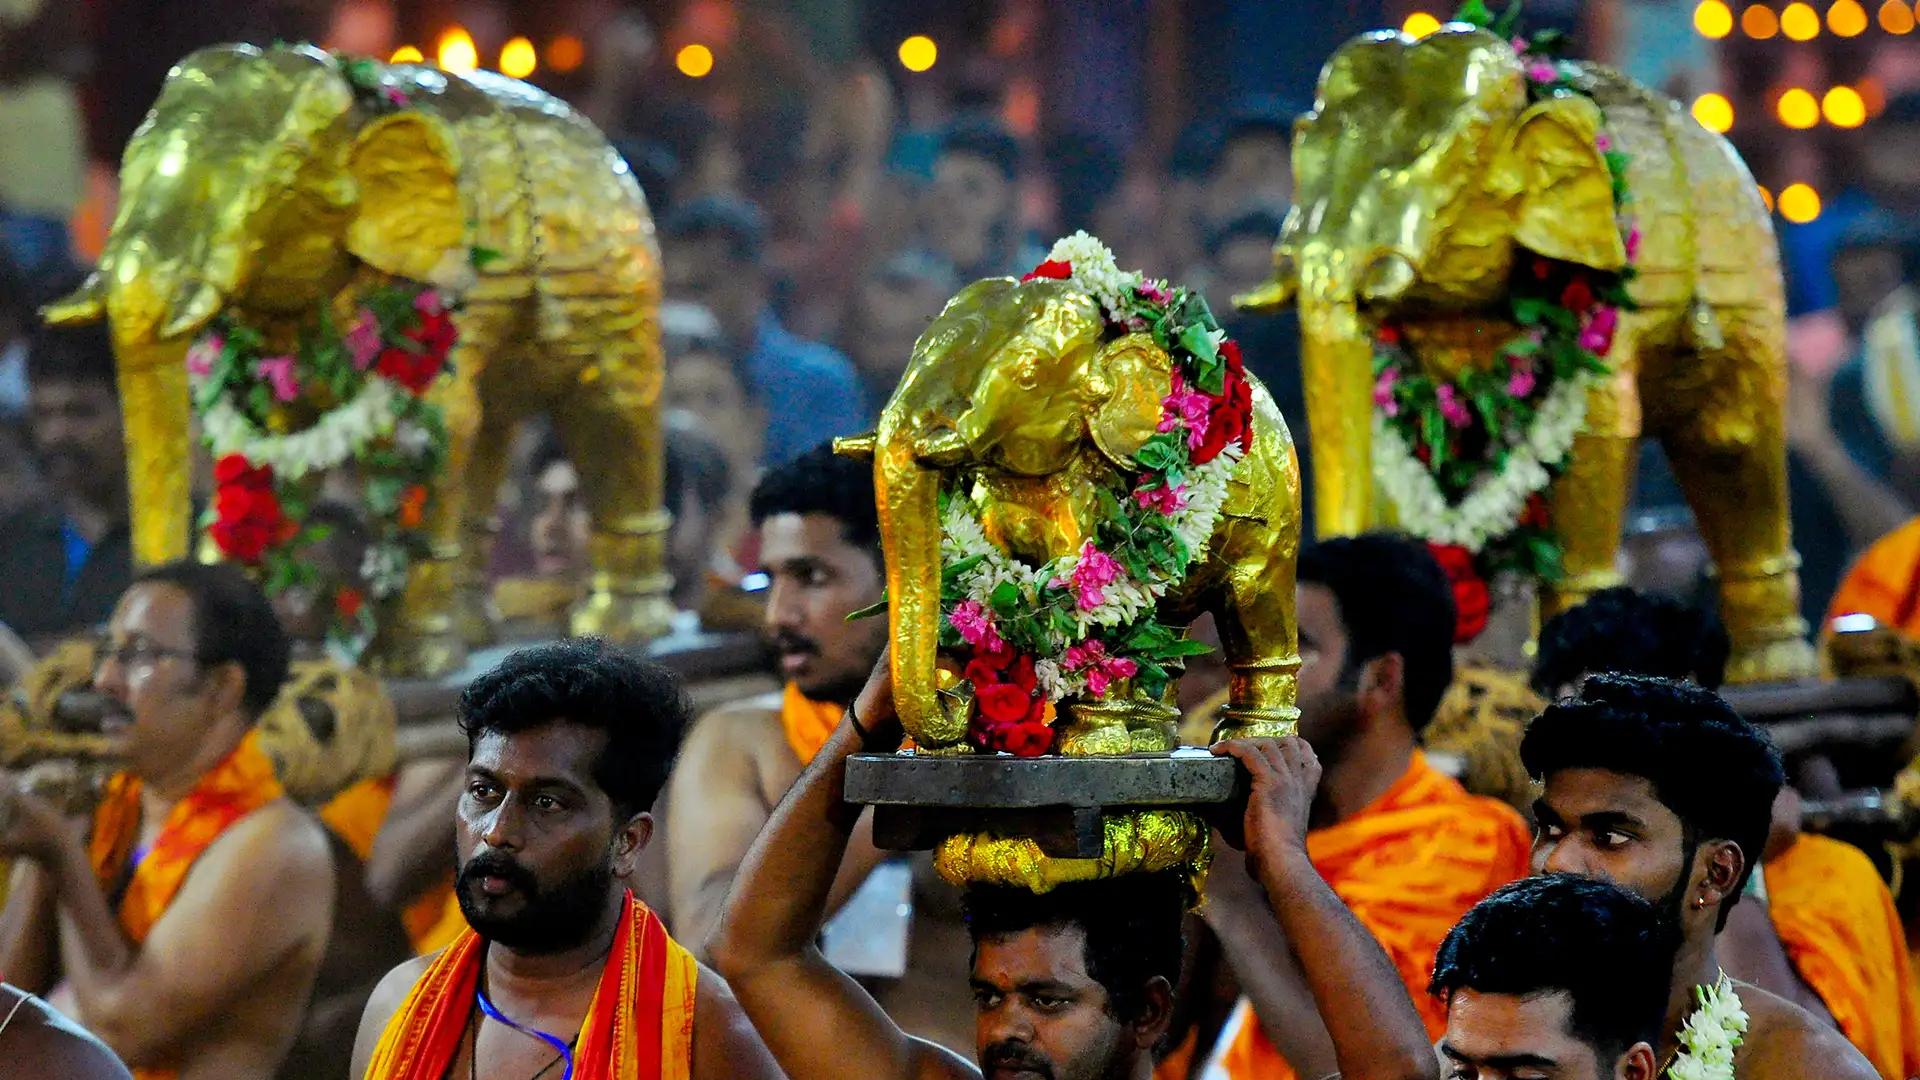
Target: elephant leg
1728 450
609 424
500 416
1255 610
1589 508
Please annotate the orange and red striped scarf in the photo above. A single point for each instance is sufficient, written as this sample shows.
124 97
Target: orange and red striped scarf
241 783
808 724
639 1025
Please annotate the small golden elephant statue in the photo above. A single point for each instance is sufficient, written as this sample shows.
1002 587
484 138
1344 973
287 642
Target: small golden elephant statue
1427 177
1028 402
264 183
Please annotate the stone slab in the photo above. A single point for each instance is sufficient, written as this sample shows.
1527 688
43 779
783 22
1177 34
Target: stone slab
1185 777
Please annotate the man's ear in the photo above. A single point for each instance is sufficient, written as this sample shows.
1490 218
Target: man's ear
629 842
1637 1063
1382 683
228 682
1721 863
1156 1013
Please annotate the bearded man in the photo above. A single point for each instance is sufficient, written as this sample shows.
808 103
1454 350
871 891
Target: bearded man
561 967
1660 787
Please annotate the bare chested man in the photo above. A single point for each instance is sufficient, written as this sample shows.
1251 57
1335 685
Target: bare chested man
1661 788
36 1040
184 924
1076 984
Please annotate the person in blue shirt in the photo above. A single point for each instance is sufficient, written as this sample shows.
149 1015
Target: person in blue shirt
1889 158
713 250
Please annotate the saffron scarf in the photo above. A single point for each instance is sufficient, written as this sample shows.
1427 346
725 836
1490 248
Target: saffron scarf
355 815
808 724
1837 921
241 783
1409 866
638 1027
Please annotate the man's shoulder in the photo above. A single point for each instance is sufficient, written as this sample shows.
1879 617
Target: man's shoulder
392 989
756 714
41 1041
279 841
1785 1040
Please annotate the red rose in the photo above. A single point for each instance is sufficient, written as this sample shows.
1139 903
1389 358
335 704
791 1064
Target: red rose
1577 297
1023 740
1002 703
1230 352
1536 515
1387 335
1423 453
1471 599
981 673
230 469
1053 268
1021 675
245 540
408 368
435 333
347 602
1541 269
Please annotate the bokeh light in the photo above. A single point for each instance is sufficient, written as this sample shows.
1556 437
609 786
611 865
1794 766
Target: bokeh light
1713 19
1797 109
1800 22
518 59
1847 18
1419 25
1759 22
456 52
918 53
1844 107
1714 112
407 54
566 53
1896 17
1766 196
694 61
1799 203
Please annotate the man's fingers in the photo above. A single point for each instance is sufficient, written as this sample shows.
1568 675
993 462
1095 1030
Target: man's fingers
1249 753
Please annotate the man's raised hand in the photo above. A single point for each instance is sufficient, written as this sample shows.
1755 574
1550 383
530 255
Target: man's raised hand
1285 774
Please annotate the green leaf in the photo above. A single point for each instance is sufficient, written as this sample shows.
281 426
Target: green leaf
1160 452
1476 13
480 256
868 612
1005 597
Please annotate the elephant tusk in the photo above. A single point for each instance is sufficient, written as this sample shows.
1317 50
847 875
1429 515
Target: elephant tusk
84 305
1276 295
855 447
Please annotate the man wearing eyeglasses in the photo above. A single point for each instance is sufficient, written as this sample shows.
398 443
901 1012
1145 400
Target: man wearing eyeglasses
184 922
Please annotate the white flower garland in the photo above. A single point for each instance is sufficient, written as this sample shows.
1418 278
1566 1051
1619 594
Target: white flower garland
1495 501
1095 270
1124 600
337 437
1710 1035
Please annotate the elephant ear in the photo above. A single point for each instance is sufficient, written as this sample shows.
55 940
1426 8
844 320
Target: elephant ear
412 219
1565 209
1126 381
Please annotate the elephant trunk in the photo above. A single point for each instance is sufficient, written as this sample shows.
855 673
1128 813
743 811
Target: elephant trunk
908 494
1336 362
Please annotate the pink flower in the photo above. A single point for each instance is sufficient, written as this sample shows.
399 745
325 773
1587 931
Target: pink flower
1086 654
1094 571
1165 499
204 352
1519 45
1521 382
1542 72
278 371
1383 392
1122 667
1633 243
1188 407
1154 292
975 624
1603 142
430 302
395 96
1597 336
1101 669
363 340
1452 407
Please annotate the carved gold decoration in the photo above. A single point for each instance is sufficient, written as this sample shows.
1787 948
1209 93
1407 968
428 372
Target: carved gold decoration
1143 841
261 184
1422 177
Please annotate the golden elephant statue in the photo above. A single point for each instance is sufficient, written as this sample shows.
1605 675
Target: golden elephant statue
265 182
1021 397
1426 179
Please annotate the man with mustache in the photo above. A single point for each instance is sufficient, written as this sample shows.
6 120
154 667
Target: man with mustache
65 562
1661 788
819 545
185 921
1073 984
563 971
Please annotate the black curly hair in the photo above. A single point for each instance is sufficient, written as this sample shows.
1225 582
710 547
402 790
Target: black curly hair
586 681
821 482
1633 633
1393 598
1608 950
1716 771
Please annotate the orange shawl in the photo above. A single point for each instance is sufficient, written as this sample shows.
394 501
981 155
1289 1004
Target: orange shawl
1409 866
241 783
638 1027
1885 582
1837 921
355 815
808 723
